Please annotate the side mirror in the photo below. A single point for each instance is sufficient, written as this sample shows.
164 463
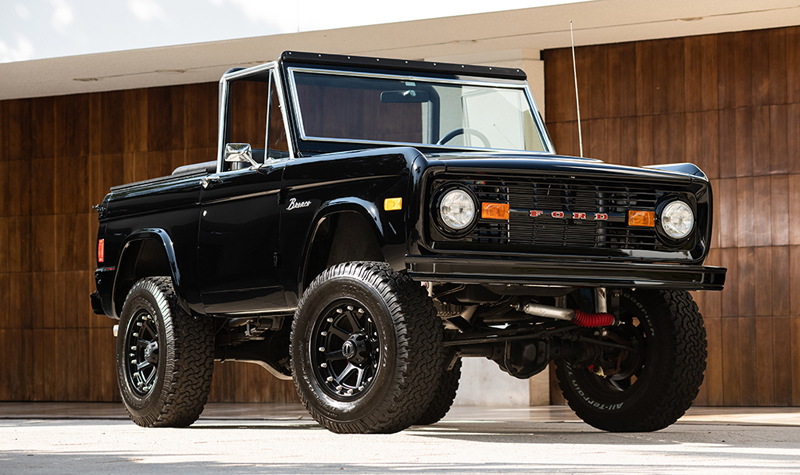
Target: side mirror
239 153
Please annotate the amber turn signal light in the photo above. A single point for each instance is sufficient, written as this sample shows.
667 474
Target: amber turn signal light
494 210
101 250
392 204
641 218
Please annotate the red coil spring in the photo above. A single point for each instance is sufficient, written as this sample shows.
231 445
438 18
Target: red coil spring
592 320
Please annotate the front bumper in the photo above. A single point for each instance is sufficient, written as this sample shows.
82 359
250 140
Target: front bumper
470 270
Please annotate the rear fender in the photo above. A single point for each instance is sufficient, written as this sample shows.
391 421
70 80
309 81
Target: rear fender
146 252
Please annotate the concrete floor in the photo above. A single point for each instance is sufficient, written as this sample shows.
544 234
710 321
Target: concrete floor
270 438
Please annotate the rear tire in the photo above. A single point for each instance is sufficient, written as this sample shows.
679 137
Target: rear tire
165 357
366 349
655 386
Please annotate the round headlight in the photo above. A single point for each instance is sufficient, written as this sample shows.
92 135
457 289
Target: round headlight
677 219
457 209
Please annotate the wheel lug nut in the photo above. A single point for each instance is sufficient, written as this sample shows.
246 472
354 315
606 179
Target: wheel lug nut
349 391
138 324
135 334
133 348
323 365
338 388
324 333
338 310
322 349
349 307
361 388
329 379
360 310
330 320
134 361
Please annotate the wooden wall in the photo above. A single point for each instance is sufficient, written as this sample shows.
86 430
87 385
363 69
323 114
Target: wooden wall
58 157
731 104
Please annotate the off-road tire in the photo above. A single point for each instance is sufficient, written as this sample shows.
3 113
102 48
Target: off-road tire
443 397
669 377
403 356
184 361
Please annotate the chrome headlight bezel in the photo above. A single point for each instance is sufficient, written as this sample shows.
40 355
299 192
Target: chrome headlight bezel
447 223
672 220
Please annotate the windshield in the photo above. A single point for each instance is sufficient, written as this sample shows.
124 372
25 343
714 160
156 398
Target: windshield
334 106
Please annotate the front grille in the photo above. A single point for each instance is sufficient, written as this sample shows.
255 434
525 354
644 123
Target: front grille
551 195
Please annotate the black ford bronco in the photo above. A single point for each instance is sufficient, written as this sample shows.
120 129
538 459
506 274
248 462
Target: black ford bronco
369 222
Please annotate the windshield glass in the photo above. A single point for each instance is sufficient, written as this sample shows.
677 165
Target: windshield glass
450 114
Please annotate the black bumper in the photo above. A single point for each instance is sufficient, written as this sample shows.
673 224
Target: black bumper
468 270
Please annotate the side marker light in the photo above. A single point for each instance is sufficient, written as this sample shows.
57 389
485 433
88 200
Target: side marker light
101 250
392 204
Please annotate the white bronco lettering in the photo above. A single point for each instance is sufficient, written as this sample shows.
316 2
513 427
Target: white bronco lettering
294 204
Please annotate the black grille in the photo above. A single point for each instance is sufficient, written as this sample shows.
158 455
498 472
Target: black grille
551 195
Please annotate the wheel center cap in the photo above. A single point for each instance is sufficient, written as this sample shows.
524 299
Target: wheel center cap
355 349
349 349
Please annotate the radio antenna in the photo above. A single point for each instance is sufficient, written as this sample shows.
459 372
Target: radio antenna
575 75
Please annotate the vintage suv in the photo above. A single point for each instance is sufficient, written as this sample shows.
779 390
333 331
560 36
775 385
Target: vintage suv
369 222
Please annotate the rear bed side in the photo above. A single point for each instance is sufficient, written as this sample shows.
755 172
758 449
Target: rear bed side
165 243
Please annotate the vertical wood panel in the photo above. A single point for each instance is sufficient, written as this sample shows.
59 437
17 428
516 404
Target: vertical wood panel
765 381
793 137
782 369
795 356
744 141
748 358
762 162
728 209
762 211
778 139
731 365
762 276
793 64
777 66
714 376
759 42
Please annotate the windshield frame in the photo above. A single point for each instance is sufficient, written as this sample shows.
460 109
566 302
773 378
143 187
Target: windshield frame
503 84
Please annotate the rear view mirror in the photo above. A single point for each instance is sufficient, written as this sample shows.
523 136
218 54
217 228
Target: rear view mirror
406 96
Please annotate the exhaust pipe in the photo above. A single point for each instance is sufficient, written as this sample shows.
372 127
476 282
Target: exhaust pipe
584 319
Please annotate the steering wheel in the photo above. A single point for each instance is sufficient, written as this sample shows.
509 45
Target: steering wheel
464 131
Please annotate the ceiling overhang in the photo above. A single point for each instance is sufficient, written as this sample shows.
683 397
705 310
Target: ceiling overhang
471 37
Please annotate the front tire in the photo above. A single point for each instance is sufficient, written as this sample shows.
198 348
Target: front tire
165 357
654 387
443 397
366 349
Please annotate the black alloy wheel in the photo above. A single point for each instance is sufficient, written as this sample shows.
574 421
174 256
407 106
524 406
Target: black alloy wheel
141 340
348 350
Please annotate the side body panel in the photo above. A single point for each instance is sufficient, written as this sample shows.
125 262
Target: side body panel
320 186
238 239
152 210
